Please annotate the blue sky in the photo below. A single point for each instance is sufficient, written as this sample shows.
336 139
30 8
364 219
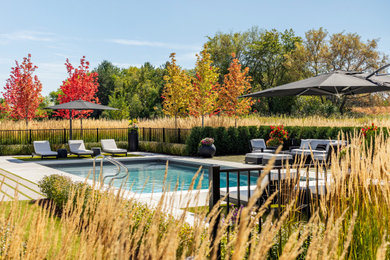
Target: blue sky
133 32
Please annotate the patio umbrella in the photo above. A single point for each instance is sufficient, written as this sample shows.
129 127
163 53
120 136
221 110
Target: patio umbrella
334 83
376 77
78 105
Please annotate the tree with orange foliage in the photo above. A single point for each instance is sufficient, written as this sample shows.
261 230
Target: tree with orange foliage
176 92
204 94
235 84
22 94
81 84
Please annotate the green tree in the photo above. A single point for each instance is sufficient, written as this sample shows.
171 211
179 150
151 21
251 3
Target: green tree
266 59
53 96
107 72
222 45
138 91
264 52
320 53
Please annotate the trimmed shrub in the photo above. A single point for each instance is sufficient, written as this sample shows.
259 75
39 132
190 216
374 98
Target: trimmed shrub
56 187
264 132
236 140
207 131
193 140
233 140
165 148
59 188
243 140
221 140
253 132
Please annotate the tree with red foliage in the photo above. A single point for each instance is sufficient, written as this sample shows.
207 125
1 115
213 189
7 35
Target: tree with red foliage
22 94
81 84
236 83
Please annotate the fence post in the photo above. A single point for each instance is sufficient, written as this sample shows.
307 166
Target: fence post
150 134
215 195
30 137
178 136
64 140
163 134
97 135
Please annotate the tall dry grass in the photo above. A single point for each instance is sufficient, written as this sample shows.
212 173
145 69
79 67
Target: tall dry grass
190 122
351 222
62 123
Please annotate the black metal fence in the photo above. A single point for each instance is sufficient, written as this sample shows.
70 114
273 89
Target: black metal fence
61 136
285 185
165 135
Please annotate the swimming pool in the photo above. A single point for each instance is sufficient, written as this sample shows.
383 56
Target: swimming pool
148 176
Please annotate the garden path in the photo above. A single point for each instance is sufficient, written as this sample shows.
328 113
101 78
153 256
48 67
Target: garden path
13 187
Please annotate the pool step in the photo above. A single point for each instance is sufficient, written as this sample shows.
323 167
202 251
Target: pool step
14 187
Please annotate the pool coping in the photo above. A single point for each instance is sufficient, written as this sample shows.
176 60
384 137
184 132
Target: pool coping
34 171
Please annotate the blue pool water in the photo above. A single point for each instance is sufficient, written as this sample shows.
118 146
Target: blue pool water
147 177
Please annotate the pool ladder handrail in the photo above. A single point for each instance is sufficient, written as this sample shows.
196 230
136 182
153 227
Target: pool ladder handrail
118 164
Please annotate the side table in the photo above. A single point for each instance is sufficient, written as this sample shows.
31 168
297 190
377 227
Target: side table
96 151
62 153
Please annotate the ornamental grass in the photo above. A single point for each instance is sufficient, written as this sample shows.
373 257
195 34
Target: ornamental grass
351 222
190 122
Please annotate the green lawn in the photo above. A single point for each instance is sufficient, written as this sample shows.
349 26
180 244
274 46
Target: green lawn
31 208
70 157
231 158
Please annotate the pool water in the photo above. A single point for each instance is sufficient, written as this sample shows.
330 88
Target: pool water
147 177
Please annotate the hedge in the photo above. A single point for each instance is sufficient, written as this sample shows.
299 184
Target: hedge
27 149
164 148
230 141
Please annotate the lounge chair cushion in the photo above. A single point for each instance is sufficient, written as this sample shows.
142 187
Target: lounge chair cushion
115 150
43 148
78 147
258 144
305 144
306 152
109 146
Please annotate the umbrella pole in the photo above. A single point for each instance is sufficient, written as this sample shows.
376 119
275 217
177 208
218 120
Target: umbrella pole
70 124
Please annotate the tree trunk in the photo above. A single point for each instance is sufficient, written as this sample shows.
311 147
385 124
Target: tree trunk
81 126
175 121
341 108
235 122
202 120
26 118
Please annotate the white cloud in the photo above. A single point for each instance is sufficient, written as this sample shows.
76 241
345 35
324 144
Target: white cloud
126 65
187 60
27 36
155 44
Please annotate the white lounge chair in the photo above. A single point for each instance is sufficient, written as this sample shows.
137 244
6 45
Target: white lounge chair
42 148
258 145
77 147
109 146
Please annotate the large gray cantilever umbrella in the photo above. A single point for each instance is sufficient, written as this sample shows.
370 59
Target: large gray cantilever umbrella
78 105
334 83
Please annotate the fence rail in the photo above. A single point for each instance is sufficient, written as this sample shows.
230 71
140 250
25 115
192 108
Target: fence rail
287 187
61 136
165 135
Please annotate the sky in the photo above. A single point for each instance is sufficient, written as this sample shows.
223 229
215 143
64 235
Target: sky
130 33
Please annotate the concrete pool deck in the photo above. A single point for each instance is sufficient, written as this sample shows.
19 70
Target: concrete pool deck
25 175
19 179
